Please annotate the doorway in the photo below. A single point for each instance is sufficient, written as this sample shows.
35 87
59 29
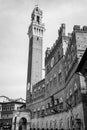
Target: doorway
23 124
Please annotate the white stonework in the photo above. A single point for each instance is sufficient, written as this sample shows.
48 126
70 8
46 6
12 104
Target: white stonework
18 116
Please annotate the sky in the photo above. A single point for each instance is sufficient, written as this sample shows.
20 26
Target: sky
15 18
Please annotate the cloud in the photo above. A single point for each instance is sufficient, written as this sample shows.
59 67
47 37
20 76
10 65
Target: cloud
15 17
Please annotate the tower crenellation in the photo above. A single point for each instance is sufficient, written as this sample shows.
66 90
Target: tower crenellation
79 29
36 27
85 28
37 15
61 31
50 51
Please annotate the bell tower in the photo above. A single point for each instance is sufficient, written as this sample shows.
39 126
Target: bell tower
35 33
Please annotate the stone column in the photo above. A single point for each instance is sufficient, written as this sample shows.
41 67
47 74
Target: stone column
28 125
17 125
14 123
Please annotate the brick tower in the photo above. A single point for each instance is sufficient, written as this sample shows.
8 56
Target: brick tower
35 33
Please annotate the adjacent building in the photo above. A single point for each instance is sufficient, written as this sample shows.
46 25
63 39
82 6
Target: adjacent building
7 108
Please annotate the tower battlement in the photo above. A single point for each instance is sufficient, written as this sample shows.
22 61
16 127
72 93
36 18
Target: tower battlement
50 51
38 13
36 27
77 28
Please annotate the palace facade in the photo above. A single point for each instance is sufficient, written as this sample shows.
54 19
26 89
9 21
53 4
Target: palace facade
59 101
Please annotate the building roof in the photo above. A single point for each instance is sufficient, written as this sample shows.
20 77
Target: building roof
5 99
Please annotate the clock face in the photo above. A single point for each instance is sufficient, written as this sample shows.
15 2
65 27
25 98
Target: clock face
28 86
52 62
